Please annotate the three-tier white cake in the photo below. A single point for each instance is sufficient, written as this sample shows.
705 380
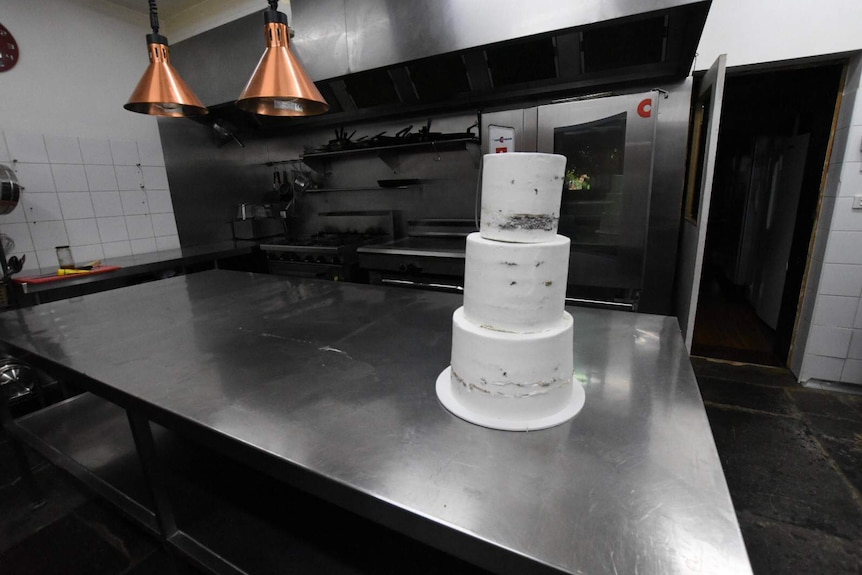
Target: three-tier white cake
512 343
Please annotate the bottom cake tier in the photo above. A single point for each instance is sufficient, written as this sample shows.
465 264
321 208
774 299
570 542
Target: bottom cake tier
509 376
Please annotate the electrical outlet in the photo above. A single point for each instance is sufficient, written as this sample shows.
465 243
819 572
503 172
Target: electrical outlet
857 202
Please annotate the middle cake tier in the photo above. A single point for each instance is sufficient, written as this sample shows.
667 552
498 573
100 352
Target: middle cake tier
513 287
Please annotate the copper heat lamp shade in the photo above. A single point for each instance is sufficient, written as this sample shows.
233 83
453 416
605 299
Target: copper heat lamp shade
161 91
279 85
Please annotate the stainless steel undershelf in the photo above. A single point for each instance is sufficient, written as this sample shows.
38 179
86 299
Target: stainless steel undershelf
90 438
330 387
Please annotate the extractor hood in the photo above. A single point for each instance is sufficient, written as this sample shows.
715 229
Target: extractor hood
384 58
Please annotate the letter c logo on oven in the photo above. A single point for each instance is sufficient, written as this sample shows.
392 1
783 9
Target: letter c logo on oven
645 108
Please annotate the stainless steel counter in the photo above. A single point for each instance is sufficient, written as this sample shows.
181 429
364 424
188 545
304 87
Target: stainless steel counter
331 387
134 265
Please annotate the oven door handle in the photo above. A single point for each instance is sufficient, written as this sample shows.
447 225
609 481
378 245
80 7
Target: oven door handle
422 285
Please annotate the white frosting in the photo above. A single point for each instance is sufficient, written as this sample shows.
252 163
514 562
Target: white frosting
521 196
515 287
509 375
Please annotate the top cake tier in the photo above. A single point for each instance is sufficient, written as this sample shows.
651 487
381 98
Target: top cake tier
521 196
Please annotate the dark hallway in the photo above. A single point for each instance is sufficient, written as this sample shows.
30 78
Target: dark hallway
773 140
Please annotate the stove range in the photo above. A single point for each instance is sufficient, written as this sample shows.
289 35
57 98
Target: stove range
330 256
431 257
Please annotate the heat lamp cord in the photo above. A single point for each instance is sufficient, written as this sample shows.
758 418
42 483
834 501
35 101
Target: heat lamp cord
154 16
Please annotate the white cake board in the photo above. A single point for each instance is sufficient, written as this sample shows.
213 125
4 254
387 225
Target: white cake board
453 404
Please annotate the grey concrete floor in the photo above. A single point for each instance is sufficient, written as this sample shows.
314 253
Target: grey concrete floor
792 457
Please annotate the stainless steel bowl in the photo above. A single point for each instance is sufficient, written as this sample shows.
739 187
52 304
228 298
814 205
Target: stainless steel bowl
10 190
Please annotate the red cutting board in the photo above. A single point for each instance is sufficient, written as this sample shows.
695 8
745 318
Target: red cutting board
56 278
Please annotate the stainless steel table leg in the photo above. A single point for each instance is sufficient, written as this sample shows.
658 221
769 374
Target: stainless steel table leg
37 498
143 436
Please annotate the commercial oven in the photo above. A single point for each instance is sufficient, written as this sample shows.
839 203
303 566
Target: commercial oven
610 146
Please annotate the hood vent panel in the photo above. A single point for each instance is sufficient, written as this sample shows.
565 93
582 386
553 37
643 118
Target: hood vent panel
372 89
439 78
519 62
643 49
637 43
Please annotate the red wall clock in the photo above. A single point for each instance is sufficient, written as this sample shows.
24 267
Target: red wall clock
8 50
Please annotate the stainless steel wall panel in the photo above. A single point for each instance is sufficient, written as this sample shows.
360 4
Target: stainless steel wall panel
320 37
218 63
208 180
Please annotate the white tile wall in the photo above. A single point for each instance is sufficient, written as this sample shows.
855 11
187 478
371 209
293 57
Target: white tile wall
35 177
829 341
96 151
852 372
129 177
5 158
820 367
86 254
141 227
851 178
70 178
155 177
107 204
855 351
63 150
48 235
144 246
167 243
833 310
134 203
101 178
845 218
832 348
47 258
76 205
83 233
105 198
160 202
841 279
117 249
151 153
844 247
113 229
27 148
164 225
124 153
21 234
41 207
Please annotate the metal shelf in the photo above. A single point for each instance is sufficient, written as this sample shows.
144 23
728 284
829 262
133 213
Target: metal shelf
390 154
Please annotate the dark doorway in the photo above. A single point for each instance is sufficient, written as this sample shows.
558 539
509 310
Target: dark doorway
774 135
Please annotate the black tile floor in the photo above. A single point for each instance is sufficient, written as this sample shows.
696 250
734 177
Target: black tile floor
793 461
792 457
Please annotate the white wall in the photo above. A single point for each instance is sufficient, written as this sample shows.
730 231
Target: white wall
93 172
753 32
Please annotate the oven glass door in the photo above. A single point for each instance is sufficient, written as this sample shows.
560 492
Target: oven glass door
605 207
